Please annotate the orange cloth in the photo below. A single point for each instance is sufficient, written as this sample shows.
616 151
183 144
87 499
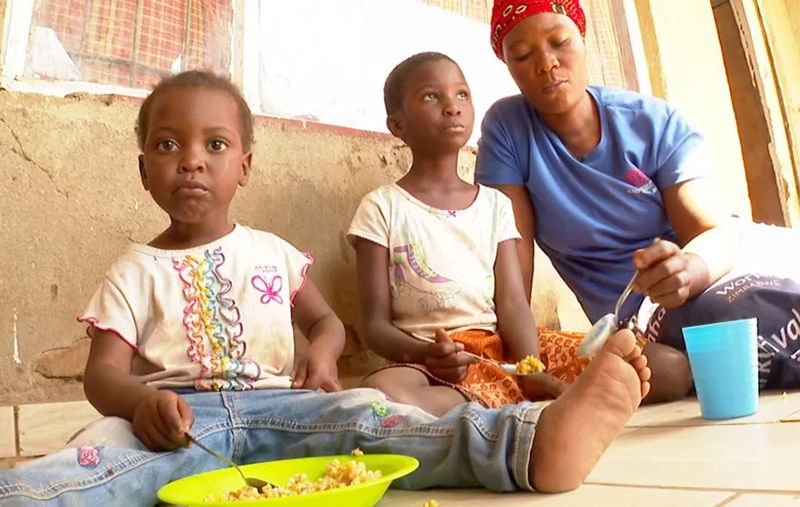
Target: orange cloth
493 387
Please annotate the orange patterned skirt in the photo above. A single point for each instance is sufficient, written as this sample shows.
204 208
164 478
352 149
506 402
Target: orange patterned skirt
493 387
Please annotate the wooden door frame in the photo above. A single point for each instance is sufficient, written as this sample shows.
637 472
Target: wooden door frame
760 37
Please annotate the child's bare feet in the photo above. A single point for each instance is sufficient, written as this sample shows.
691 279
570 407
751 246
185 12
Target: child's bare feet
576 429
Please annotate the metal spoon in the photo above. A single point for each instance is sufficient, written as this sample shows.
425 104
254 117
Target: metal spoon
604 328
609 324
250 481
508 368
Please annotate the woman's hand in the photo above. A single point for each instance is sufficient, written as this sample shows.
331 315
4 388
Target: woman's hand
666 275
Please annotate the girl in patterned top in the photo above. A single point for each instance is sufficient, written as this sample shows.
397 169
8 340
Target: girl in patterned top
437 261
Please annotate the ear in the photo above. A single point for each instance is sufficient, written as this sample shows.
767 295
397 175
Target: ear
396 125
247 164
143 173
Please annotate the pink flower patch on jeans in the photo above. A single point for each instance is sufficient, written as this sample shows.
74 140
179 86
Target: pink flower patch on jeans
391 421
88 456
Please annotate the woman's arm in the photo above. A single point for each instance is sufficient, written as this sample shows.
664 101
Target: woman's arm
709 241
524 218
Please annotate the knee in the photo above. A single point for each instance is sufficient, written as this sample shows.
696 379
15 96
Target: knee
387 382
672 376
374 381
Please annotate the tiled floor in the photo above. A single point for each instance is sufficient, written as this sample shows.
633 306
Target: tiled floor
667 456
46 428
8 445
670 456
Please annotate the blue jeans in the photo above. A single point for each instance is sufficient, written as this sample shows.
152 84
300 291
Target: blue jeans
106 465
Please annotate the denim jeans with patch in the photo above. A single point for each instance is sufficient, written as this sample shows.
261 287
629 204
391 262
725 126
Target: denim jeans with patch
106 465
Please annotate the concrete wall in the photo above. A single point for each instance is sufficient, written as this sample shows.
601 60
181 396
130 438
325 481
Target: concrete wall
72 202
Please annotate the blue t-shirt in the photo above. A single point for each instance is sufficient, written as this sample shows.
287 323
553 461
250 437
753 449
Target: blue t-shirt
592 214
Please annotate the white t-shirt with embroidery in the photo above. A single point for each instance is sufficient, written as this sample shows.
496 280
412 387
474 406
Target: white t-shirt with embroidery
213 317
441 267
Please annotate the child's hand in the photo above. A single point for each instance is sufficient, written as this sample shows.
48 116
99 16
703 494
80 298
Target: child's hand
161 419
444 361
541 386
317 370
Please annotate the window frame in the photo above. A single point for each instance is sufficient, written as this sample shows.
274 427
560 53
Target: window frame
18 20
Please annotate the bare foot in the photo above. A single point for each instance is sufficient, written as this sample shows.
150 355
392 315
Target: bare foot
576 429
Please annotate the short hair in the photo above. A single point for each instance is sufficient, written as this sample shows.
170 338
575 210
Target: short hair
197 79
394 88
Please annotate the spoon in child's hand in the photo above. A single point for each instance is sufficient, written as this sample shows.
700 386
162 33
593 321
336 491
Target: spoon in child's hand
508 368
250 481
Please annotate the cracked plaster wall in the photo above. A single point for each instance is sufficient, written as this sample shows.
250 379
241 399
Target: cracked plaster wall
72 201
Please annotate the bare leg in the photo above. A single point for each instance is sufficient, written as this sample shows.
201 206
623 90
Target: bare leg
412 387
672 376
576 429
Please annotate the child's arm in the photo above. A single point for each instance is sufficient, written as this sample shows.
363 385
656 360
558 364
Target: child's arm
515 322
382 336
326 336
160 418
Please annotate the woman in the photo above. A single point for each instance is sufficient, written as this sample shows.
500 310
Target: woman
595 175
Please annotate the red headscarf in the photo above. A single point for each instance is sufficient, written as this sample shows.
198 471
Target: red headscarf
507 13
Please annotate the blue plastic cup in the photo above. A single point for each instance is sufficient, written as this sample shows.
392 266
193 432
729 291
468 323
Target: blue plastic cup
724 362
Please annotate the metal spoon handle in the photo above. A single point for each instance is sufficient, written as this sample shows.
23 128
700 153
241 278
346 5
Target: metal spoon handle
628 289
625 294
476 356
215 454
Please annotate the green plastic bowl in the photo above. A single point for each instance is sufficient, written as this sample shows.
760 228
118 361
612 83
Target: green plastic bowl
191 491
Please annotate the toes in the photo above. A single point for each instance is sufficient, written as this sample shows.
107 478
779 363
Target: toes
639 364
645 389
635 354
622 344
645 374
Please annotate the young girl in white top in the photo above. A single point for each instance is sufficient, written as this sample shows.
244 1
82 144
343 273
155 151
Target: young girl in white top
437 260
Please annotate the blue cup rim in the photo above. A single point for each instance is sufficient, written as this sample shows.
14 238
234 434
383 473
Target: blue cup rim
750 321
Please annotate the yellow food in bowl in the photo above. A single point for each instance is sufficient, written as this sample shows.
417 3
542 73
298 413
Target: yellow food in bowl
337 475
530 364
431 503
